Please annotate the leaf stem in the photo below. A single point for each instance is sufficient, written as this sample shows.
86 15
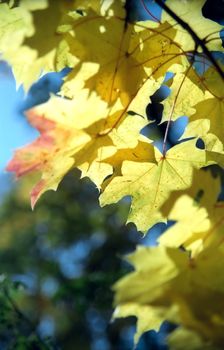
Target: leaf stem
149 12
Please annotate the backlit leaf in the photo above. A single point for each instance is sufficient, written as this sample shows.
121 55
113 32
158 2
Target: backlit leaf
150 184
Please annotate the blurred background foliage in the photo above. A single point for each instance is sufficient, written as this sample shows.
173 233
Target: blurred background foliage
59 264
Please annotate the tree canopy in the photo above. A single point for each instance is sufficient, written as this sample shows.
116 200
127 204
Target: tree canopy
98 123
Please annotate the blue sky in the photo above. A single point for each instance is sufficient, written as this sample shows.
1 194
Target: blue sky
14 130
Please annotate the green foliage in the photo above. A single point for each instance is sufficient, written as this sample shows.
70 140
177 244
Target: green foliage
17 331
45 246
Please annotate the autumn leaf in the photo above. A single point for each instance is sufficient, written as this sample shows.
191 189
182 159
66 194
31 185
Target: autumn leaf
212 107
204 190
98 126
186 339
53 152
145 49
199 221
203 105
150 184
33 31
34 53
45 154
180 102
200 129
155 48
103 38
81 137
15 25
191 221
135 293
181 286
190 12
148 317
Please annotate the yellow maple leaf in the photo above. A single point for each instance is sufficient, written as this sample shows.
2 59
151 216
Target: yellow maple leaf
150 184
45 154
163 263
186 92
204 190
143 152
33 30
35 54
199 217
154 48
75 134
191 219
145 49
148 317
136 292
103 38
186 339
197 97
190 12
179 286
214 147
212 107
15 26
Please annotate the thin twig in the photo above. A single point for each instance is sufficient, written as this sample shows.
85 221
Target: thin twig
198 41
149 12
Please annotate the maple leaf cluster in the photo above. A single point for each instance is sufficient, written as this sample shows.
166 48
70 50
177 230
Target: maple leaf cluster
95 124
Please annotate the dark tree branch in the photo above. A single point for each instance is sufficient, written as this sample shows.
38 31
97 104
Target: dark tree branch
198 41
